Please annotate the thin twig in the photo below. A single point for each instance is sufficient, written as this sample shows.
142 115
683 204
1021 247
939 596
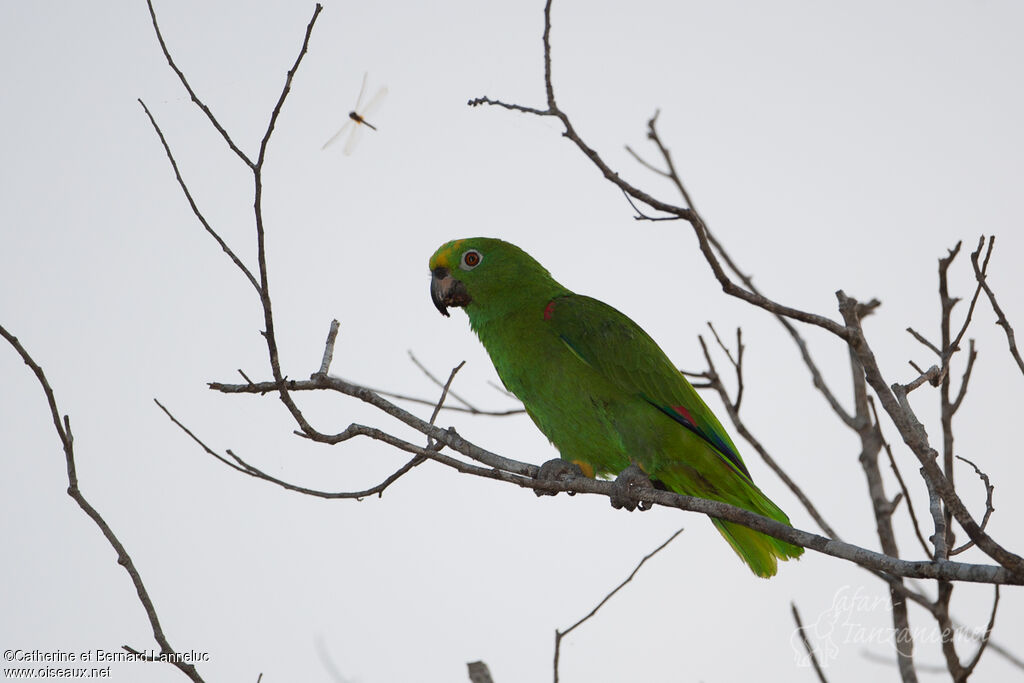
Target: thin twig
807 644
954 345
332 336
641 216
440 402
989 508
454 409
737 363
969 668
561 634
646 164
192 202
195 98
239 465
439 383
919 337
903 486
503 390
972 355
993 646
979 273
938 538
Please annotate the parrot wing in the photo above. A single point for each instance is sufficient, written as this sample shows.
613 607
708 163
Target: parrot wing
620 350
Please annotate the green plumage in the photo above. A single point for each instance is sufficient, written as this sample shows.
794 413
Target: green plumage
598 386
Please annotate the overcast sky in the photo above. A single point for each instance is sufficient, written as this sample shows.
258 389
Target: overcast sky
829 146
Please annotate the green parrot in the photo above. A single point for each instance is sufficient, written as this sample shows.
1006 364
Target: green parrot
601 390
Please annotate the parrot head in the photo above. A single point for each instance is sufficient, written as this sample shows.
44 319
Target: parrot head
483 273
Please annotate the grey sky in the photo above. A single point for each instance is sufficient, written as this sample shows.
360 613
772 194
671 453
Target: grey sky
829 145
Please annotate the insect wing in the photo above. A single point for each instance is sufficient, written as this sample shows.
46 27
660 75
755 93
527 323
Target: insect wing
373 103
362 91
334 138
353 138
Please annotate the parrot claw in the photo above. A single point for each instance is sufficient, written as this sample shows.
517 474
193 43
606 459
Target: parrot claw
629 487
557 470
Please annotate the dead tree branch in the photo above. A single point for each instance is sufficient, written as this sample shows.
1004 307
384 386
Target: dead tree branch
807 645
980 275
561 634
67 440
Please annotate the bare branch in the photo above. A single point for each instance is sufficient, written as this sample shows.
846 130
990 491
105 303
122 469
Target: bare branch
938 539
687 214
561 634
737 363
870 435
992 645
671 174
455 409
979 273
477 101
66 437
439 383
931 375
262 287
924 341
894 401
284 95
440 401
989 509
646 164
641 216
903 486
261 251
192 202
332 335
969 668
238 464
972 355
807 645
195 98
954 345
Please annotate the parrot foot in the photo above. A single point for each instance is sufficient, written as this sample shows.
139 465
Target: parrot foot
629 487
557 470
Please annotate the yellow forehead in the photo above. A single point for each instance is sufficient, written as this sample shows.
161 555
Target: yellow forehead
446 255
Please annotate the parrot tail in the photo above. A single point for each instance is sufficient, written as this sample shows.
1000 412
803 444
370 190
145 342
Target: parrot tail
759 551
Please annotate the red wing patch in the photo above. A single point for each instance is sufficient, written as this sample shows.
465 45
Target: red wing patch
685 414
549 310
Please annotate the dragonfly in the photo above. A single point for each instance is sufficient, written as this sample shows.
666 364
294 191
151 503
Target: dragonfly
357 118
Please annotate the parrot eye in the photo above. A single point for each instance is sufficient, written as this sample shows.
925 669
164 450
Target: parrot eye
471 259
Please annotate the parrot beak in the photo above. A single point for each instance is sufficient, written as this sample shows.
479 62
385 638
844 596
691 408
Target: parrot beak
446 291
